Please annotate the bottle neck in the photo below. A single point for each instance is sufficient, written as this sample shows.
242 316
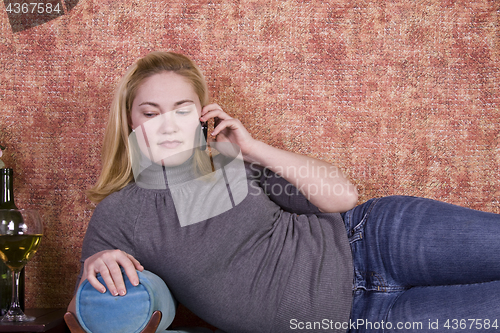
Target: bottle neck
7 189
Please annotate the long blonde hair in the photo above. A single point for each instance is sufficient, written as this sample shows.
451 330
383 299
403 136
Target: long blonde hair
116 168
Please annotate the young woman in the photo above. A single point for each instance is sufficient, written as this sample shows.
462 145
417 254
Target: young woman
291 251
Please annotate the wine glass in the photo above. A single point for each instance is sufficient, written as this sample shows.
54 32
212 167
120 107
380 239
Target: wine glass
20 235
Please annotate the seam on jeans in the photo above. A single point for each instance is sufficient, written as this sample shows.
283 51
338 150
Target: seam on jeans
381 286
355 237
392 306
347 222
361 224
356 233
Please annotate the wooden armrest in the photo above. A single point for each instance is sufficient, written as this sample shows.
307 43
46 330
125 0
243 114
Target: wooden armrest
153 322
75 327
72 322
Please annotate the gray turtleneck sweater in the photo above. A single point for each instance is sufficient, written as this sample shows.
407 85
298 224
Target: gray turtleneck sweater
270 263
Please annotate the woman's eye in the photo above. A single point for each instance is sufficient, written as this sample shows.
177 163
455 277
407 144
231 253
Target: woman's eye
182 111
150 114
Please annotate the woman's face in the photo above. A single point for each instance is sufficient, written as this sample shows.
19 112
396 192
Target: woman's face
165 117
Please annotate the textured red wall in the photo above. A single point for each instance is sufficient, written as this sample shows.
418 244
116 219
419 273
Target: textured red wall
403 95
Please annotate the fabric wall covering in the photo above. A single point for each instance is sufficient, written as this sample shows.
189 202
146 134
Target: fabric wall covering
403 95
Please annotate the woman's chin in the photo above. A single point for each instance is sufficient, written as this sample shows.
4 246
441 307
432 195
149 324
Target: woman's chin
171 159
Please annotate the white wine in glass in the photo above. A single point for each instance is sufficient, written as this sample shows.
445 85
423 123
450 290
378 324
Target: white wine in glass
20 235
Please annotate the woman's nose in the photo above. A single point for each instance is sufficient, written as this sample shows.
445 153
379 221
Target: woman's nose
168 123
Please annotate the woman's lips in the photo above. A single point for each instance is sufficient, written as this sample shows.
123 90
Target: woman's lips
170 144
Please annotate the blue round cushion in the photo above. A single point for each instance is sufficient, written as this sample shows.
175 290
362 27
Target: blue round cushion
106 313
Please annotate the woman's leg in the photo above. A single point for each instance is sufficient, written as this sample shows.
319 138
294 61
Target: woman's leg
401 242
455 308
419 259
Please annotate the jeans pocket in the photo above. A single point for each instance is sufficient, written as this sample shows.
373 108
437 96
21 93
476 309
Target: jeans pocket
356 218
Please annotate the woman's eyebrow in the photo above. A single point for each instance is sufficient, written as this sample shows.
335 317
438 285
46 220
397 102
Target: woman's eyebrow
183 101
149 103
175 104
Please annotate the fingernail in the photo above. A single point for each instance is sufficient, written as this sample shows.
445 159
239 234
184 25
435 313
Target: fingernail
122 292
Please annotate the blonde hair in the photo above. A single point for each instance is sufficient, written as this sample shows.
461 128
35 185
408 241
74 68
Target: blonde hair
116 168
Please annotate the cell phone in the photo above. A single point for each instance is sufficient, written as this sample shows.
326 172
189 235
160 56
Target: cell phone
204 128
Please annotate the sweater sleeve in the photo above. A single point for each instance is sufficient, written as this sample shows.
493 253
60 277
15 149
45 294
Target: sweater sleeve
111 227
280 191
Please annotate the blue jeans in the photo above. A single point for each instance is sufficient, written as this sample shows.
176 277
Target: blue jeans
424 266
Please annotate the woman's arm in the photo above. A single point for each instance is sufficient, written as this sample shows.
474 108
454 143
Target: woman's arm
323 184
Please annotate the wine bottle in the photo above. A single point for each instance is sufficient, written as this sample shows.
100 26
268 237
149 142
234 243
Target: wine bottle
7 202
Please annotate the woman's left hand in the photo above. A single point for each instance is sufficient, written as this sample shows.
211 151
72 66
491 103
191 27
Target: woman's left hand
228 129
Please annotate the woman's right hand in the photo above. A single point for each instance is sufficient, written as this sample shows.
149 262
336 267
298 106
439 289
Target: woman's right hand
108 263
